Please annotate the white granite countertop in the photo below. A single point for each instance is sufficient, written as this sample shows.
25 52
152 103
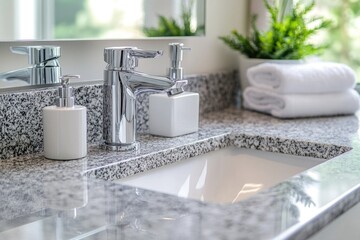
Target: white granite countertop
37 192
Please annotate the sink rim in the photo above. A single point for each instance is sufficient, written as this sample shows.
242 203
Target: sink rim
310 162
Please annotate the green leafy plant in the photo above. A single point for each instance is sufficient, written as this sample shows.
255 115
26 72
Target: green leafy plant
344 42
169 27
288 37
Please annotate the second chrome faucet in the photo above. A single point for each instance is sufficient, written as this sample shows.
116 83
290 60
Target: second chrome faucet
121 85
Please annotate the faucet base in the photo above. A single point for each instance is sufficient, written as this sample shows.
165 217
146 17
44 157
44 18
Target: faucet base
121 148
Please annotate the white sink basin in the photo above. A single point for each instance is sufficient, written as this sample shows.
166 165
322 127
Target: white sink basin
225 176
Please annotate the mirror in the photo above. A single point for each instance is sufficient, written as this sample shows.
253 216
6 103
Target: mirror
93 19
28 21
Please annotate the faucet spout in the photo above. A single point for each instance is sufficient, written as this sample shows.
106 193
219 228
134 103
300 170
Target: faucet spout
142 82
20 74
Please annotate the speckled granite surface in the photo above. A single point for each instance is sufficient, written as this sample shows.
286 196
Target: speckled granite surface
21 112
45 192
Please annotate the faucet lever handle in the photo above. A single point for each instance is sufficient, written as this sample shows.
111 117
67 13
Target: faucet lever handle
38 54
127 57
140 53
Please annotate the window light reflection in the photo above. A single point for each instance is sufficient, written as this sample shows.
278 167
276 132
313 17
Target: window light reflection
248 188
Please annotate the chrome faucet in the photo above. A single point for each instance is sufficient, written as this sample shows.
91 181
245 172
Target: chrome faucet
121 85
45 67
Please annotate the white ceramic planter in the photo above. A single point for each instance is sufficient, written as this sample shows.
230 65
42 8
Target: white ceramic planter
245 63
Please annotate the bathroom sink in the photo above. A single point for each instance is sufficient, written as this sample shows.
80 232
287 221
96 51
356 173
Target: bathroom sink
224 176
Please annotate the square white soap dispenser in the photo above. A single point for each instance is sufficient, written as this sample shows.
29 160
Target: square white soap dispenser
65 125
172 116
176 112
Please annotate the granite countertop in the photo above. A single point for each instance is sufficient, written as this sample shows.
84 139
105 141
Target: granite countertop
77 198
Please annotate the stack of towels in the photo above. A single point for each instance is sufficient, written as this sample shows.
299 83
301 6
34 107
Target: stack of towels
302 90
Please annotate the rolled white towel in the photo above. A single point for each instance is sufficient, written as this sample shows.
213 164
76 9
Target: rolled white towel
317 77
301 105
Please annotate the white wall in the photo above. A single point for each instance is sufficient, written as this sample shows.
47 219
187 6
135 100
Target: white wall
208 53
7 21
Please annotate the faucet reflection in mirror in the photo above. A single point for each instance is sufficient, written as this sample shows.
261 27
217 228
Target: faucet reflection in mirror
45 67
121 85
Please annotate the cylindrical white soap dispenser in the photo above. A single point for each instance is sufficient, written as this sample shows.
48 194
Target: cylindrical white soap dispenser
65 125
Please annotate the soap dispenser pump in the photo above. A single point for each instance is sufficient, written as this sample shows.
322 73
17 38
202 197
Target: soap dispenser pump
65 125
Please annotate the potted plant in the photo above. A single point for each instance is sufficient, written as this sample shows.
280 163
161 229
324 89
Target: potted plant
287 39
169 27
